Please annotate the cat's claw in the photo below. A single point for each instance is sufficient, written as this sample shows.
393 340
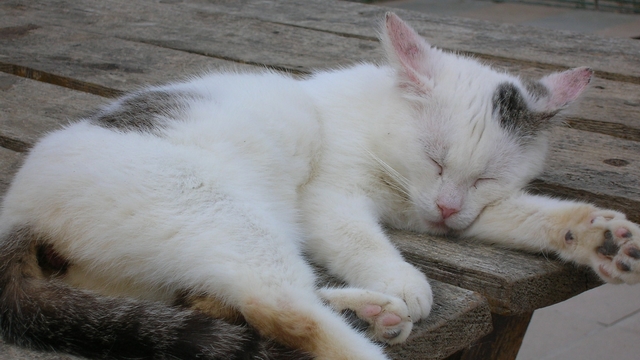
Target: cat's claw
613 244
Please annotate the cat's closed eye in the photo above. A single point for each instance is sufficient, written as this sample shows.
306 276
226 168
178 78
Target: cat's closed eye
437 164
480 181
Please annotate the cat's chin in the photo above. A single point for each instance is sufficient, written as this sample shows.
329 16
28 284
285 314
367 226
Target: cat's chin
437 228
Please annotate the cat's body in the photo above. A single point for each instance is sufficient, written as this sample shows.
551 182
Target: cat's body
208 192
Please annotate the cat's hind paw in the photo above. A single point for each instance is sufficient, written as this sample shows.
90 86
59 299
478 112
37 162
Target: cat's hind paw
612 244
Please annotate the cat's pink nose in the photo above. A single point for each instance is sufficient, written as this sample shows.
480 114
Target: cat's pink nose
447 212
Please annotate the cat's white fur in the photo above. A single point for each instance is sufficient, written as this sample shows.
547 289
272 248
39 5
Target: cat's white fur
263 167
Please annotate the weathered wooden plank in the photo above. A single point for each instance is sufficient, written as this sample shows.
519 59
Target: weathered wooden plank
29 109
616 59
513 282
219 35
273 45
458 316
9 163
606 167
502 344
608 101
106 62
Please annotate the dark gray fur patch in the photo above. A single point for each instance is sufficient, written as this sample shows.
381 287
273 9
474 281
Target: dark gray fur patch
514 114
536 89
43 313
145 111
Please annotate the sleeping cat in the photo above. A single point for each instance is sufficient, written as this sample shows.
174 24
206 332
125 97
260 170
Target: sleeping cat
154 227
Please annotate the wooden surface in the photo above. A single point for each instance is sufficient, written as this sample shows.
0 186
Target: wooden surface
60 59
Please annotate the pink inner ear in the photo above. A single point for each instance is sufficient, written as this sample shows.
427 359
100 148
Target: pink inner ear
567 86
409 48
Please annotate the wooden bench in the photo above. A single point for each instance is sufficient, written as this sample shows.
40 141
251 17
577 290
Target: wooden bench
60 59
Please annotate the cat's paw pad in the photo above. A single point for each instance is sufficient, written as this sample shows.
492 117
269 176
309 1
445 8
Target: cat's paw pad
388 320
612 244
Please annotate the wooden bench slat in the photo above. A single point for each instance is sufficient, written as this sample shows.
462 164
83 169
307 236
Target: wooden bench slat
240 39
29 109
513 282
605 167
97 59
10 161
291 48
617 58
457 316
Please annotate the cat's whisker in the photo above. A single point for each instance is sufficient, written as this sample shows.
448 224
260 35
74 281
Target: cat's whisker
400 182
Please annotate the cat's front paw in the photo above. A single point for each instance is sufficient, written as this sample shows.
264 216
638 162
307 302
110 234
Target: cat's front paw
404 281
389 319
610 243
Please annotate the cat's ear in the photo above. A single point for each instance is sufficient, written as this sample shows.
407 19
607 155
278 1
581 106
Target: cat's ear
409 53
565 87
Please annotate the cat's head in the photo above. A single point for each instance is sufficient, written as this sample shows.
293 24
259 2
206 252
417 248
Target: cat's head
481 134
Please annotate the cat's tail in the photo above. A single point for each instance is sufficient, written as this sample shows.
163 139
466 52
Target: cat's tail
40 312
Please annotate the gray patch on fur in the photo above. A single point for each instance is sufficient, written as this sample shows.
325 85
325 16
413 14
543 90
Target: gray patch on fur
145 111
516 116
536 89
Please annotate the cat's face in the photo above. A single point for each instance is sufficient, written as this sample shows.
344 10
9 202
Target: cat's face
481 134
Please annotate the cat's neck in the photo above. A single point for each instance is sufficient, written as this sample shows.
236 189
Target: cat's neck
364 103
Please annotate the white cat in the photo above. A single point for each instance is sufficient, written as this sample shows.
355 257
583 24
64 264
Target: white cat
207 194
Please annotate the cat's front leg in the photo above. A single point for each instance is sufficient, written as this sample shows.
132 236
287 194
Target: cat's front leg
346 238
602 239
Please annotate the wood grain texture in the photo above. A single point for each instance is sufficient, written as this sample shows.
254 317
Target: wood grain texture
9 163
217 35
617 59
97 62
513 281
30 109
266 43
605 167
502 344
458 315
